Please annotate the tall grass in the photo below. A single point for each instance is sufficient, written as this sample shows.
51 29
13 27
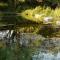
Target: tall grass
37 14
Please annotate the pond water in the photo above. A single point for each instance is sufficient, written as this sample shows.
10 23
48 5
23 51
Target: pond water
43 53
49 50
46 56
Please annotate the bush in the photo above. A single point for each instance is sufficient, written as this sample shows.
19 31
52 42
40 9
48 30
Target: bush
39 13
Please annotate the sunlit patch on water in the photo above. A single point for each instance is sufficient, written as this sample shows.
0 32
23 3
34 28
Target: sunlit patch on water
46 56
6 33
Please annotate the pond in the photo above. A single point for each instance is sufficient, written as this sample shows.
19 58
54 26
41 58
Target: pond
46 48
46 56
49 50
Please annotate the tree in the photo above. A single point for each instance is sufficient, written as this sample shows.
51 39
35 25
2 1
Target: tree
12 4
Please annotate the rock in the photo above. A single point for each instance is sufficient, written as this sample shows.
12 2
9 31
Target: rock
51 43
39 1
58 23
28 38
3 33
47 19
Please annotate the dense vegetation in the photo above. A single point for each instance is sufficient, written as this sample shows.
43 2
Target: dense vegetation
28 16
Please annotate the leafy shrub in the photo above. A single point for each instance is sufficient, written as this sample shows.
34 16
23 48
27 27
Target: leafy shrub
39 13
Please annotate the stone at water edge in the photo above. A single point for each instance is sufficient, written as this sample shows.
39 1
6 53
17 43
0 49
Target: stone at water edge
3 34
57 22
46 56
47 19
6 33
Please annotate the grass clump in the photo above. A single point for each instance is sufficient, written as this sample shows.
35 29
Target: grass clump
39 13
36 14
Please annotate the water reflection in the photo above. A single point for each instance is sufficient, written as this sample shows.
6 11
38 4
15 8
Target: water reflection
46 43
46 56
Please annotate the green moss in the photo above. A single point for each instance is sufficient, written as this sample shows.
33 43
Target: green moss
3 4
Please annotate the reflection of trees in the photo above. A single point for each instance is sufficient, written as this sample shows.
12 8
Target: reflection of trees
47 30
9 17
12 5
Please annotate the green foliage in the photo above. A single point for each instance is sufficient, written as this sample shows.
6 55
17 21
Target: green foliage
2 54
3 4
28 13
56 1
17 52
38 14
